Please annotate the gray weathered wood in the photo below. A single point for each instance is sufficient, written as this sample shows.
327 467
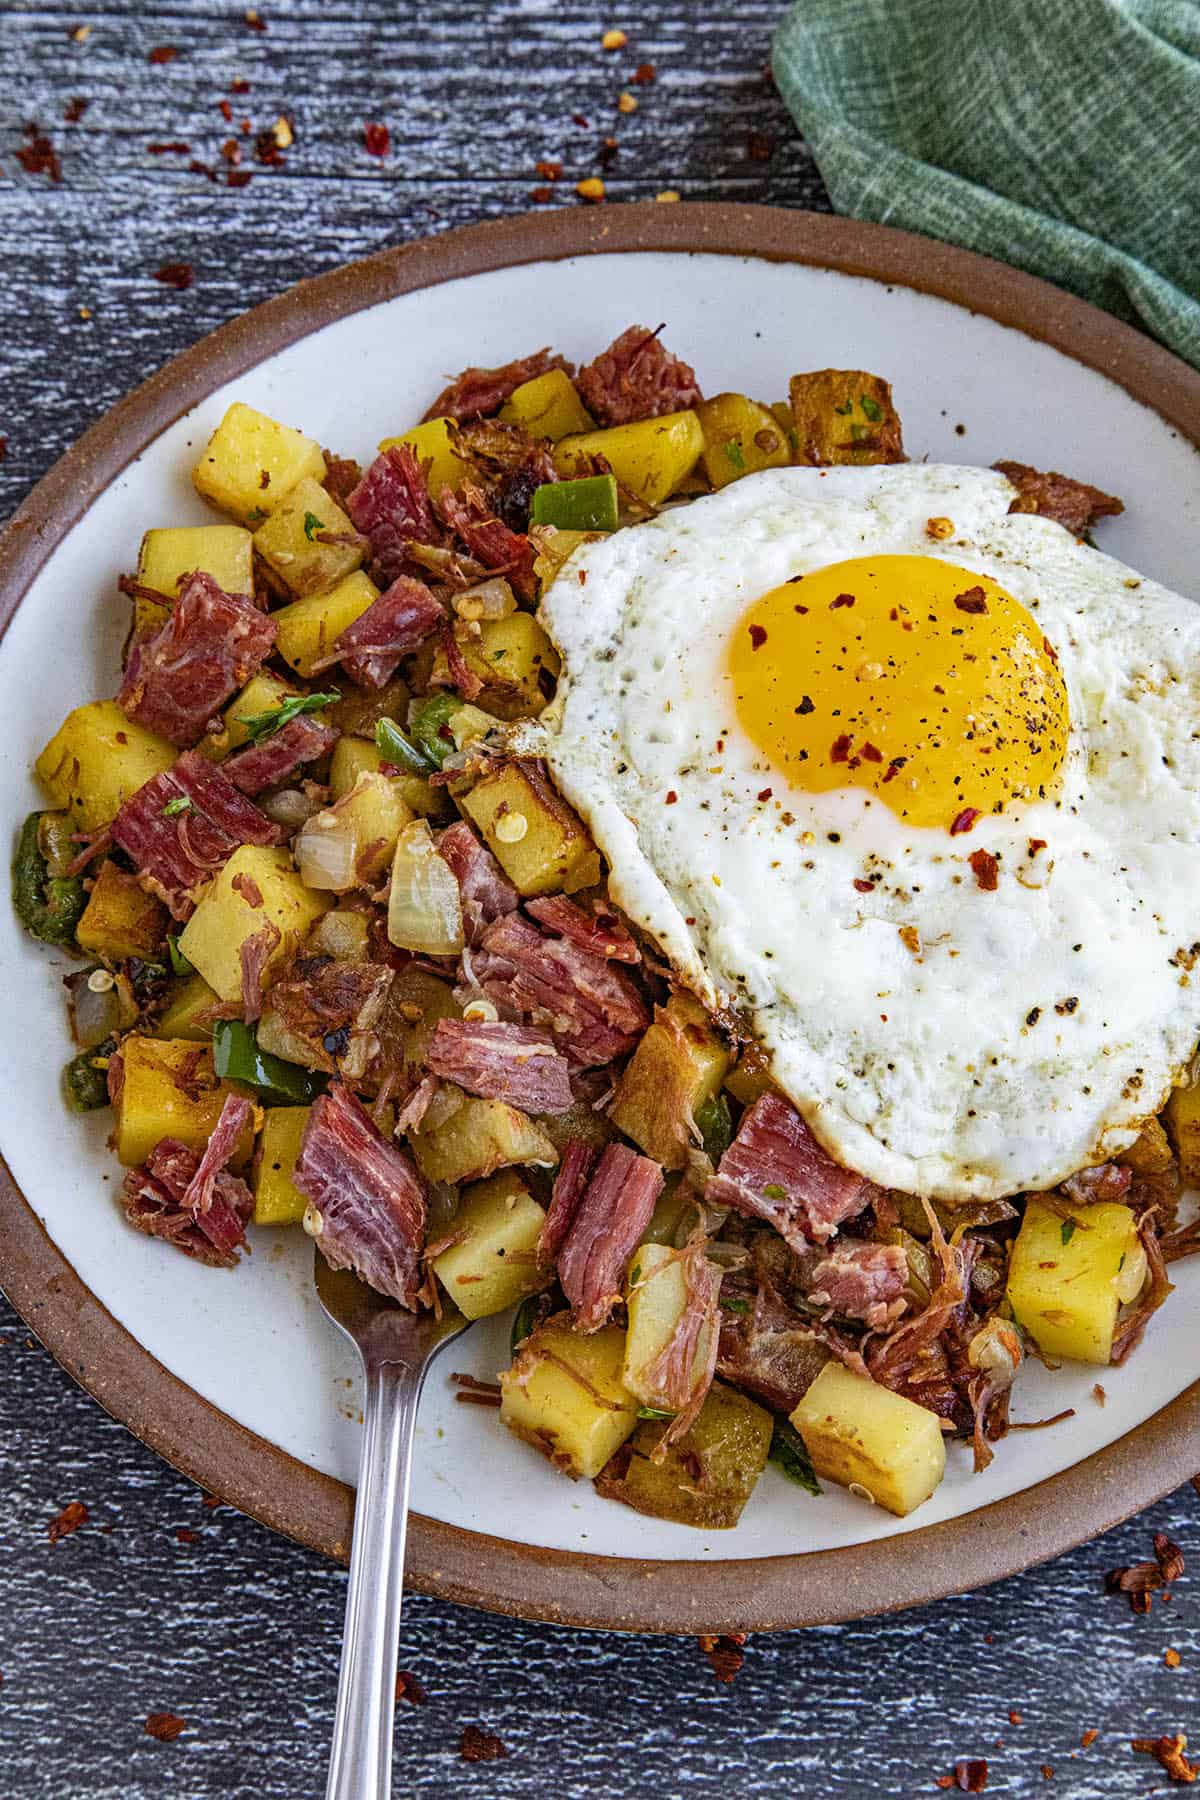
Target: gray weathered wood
239 1631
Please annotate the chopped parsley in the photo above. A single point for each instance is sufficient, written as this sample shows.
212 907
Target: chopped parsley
844 411
1068 1230
733 451
773 1191
735 1306
653 1412
180 804
312 524
260 726
872 408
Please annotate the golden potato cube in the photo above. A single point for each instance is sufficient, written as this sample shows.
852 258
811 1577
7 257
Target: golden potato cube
844 416
865 1437
277 1199
432 443
1065 1276
120 918
751 1077
305 631
579 1419
729 1444
548 407
351 843
359 710
343 935
476 1139
540 842
679 1064
494 1264
1150 1153
353 757
189 1011
224 918
245 447
169 1090
651 457
96 759
740 437
226 552
656 1297
262 693
512 658
294 541
554 546
1183 1123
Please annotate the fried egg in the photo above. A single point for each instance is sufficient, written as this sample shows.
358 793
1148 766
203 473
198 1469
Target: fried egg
911 785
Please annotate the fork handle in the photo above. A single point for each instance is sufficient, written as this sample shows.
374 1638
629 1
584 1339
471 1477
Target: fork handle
361 1762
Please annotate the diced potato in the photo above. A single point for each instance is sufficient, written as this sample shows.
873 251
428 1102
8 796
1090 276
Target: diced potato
1065 1276
1150 1153
431 443
495 1264
476 1139
224 918
751 1077
575 1408
120 918
651 457
96 759
512 658
540 842
226 552
189 1012
1183 1124
359 710
656 1296
246 446
864 1437
740 437
706 1478
554 546
367 822
294 541
353 757
343 935
169 1090
305 631
679 1064
844 416
262 693
277 1199
548 407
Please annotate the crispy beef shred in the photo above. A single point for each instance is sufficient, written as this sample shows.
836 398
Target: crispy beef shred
606 1229
636 378
518 1064
179 679
470 516
158 1199
330 1010
391 507
367 1194
1053 496
776 1170
860 1281
182 826
681 1374
480 1746
265 765
476 393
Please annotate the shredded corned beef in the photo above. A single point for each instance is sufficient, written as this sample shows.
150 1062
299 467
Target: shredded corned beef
391 507
861 1281
154 1197
179 679
1107 1181
459 673
468 515
264 765
636 378
592 1006
254 953
577 1162
776 1170
477 392
682 1373
486 892
601 931
1054 496
606 1229
515 1063
330 1009
371 646
767 1346
183 826
367 1193
234 1117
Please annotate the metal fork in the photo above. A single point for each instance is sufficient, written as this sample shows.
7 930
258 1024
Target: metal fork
396 1347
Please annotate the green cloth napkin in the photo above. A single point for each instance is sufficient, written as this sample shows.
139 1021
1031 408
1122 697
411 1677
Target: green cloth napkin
1060 135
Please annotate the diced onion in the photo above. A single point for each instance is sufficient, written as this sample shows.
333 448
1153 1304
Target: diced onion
1132 1277
469 724
290 807
424 905
492 599
326 851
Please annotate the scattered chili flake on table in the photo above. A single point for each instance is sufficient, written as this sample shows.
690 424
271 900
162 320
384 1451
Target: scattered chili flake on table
1169 1753
3 448
643 75
239 85
590 189
549 171
255 20
1099 1394
79 34
238 178
178 148
760 146
1089 1737
614 40
409 1688
68 1521
163 53
1048 1771
185 1535
668 194
626 103
38 156
75 109
177 275
1016 1718
541 196
1172 1658
166 1727
480 1746
970 1774
724 1653
377 138
1168 1556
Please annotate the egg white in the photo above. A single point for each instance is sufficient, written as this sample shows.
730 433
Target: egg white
1037 1025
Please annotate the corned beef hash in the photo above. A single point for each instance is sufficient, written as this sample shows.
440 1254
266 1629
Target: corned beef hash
670 866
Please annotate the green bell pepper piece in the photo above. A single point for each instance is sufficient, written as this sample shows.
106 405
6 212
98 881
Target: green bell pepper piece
589 504
237 1057
85 1087
392 743
426 722
48 906
715 1126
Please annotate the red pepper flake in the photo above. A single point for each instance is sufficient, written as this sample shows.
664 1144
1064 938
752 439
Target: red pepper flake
1099 1394
765 794
964 820
1168 1556
173 149
1172 1658
480 1746
1048 1771
1036 844
38 156
541 196
872 754
864 887
974 600
3 448
760 146
163 53
166 1727
178 275
267 149
725 1653
970 1774
238 178
842 600
840 749
985 869
758 637
185 1535
255 20
643 75
1089 1737
75 109
944 1781
409 1688
240 86
1168 1752
226 111
1016 1718
231 150
671 798
1051 652
377 139
578 119
68 1521
549 171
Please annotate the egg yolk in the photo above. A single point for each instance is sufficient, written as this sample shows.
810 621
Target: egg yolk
922 681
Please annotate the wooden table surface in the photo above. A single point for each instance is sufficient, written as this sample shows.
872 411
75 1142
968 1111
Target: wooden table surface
231 1628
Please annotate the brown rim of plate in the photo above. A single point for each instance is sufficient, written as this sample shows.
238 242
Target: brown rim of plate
758 1593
